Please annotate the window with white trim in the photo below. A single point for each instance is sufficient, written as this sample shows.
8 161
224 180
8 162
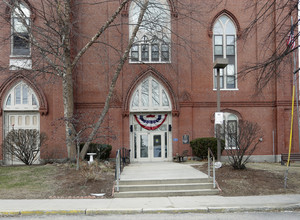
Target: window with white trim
152 42
20 23
150 96
21 97
224 46
229 130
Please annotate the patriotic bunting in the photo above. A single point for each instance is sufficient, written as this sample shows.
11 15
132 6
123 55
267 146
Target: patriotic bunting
150 122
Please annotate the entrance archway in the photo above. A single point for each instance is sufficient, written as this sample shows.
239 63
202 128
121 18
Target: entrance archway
21 111
150 122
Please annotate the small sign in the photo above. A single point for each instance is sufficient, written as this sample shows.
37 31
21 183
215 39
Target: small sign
175 139
219 118
186 139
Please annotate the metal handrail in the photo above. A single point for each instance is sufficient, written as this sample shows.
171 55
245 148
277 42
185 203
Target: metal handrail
209 156
122 159
118 168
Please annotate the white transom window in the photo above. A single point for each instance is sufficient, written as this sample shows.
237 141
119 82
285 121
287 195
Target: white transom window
150 96
21 97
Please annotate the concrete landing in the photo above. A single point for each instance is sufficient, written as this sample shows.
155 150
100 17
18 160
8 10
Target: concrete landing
160 170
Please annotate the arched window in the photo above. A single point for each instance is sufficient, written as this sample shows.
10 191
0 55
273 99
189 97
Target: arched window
224 42
20 23
152 43
150 96
229 129
21 97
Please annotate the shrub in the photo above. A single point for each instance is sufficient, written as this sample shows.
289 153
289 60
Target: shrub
200 146
247 141
24 144
102 150
90 172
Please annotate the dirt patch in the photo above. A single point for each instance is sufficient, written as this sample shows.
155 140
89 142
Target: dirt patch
82 183
257 179
56 181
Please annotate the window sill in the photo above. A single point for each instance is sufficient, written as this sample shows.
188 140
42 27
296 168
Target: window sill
20 63
20 56
153 62
227 89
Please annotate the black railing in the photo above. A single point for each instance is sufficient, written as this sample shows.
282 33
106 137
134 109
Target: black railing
122 159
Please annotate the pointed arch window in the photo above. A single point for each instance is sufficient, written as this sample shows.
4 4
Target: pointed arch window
224 46
150 95
20 25
152 43
21 97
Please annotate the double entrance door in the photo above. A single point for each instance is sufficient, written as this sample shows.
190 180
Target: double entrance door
151 146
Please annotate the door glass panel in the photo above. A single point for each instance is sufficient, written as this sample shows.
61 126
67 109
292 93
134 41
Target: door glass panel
27 120
157 146
144 145
135 145
20 120
12 120
166 145
34 120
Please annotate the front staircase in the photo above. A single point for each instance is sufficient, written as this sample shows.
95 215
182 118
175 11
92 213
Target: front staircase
165 188
163 180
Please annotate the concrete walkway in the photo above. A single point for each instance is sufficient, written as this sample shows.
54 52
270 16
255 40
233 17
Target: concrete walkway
163 170
201 204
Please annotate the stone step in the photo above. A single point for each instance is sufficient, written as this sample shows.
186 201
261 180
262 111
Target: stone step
164 181
166 193
160 187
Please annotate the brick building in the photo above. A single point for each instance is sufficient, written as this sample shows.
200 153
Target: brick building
166 92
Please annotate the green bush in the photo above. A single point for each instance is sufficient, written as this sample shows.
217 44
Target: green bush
200 146
102 150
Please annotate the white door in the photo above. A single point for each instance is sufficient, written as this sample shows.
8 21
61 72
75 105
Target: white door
151 146
19 120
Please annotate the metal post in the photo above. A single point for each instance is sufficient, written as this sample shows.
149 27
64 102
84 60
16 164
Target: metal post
218 110
208 164
220 63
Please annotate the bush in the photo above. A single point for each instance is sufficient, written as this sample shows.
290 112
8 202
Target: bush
200 146
24 144
246 142
102 150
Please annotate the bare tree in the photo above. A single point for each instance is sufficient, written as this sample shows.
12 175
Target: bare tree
24 144
273 60
241 141
51 46
51 32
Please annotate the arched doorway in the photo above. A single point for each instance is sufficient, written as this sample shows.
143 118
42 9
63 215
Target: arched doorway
21 111
150 122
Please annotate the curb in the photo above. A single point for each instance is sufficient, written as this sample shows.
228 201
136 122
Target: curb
152 211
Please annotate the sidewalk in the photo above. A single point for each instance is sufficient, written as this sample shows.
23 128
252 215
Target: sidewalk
202 204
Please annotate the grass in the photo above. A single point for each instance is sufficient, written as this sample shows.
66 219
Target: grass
26 180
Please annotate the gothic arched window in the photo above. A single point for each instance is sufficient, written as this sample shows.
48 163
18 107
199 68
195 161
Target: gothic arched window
150 96
224 42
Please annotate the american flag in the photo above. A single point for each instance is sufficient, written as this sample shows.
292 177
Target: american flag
291 42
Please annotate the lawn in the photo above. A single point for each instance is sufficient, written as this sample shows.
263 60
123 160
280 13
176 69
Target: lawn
54 180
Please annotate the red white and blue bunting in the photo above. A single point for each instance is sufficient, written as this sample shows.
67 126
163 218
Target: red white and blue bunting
150 122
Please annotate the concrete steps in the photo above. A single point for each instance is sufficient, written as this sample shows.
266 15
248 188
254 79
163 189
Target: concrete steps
165 187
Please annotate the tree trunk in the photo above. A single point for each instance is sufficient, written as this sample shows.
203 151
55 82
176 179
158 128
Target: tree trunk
68 100
113 82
